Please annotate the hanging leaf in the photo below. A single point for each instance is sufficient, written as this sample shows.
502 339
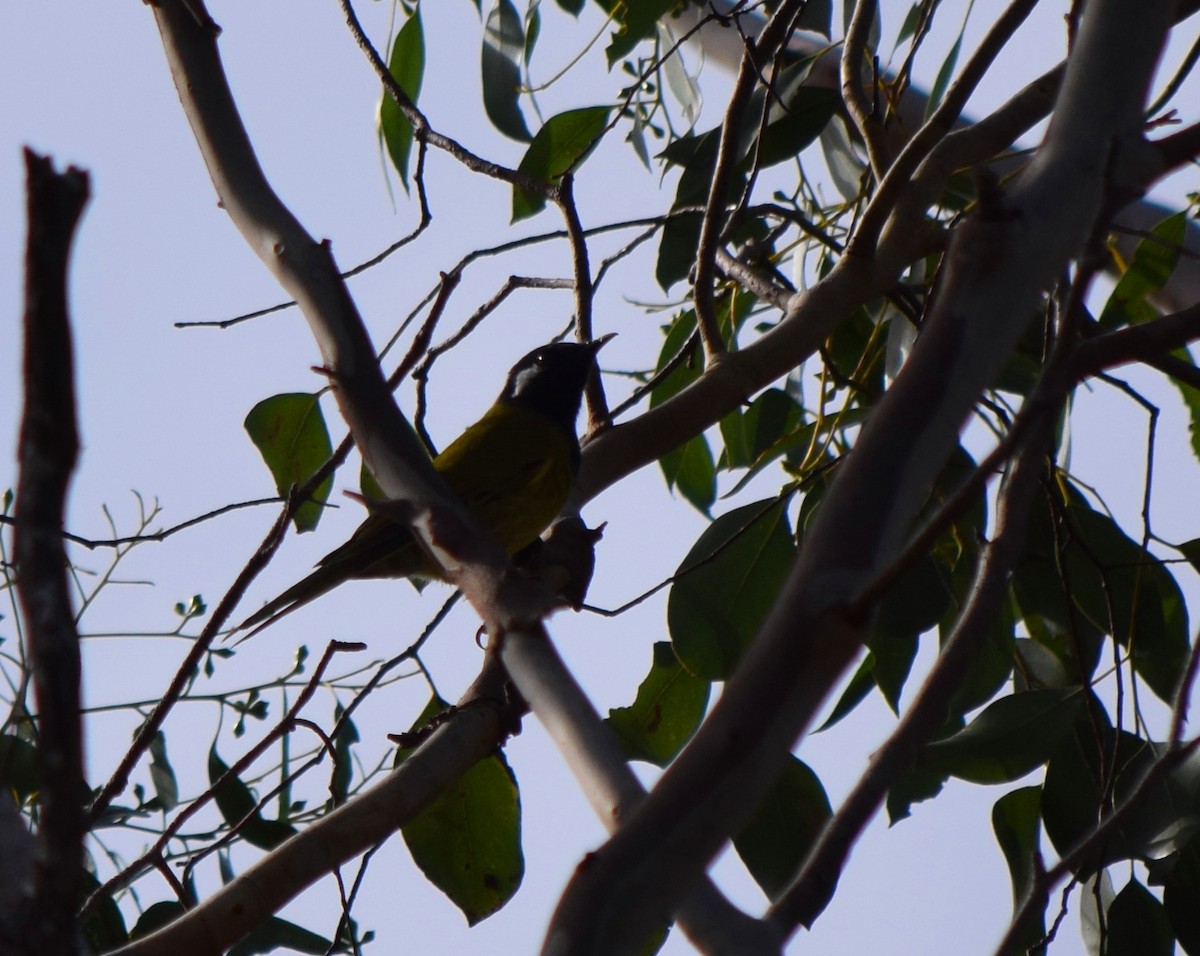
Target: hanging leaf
104 929
406 63
274 933
289 432
683 86
688 468
1011 737
733 576
161 775
504 49
1138 924
635 21
1016 821
236 802
669 706
467 842
783 829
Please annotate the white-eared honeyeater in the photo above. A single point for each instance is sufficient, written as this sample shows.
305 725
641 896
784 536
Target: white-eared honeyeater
513 468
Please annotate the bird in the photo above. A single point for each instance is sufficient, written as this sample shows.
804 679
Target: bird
514 468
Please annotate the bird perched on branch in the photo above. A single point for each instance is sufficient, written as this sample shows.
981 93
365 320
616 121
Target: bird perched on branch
514 468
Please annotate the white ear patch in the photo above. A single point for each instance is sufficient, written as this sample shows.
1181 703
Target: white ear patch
523 377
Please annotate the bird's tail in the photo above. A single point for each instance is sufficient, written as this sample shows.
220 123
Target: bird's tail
323 579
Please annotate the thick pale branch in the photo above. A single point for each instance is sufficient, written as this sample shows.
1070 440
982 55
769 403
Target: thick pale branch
507 602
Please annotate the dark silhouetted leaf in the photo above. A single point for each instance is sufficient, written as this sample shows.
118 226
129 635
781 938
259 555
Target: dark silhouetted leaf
156 916
775 841
1138 924
1011 737
161 775
739 564
236 803
1181 889
104 929
1016 821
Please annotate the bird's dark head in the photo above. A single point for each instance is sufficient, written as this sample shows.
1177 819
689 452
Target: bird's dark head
550 380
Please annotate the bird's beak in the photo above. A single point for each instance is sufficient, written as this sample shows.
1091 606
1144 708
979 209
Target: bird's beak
598 344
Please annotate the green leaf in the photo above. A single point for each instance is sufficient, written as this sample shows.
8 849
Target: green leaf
682 85
161 775
503 51
289 432
669 706
635 20
561 145
406 63
778 837
1042 602
688 467
1138 924
1016 821
915 785
468 841
816 17
733 575
573 7
1153 262
761 432
1191 398
790 130
1011 737
945 74
690 470
236 802
697 154
994 654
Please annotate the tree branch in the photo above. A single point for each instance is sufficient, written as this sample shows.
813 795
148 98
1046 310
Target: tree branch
47 453
996 270
808 895
511 605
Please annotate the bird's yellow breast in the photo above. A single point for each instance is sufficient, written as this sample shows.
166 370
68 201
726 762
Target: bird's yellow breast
514 469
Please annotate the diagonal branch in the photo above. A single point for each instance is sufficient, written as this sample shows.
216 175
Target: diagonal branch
996 270
510 605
